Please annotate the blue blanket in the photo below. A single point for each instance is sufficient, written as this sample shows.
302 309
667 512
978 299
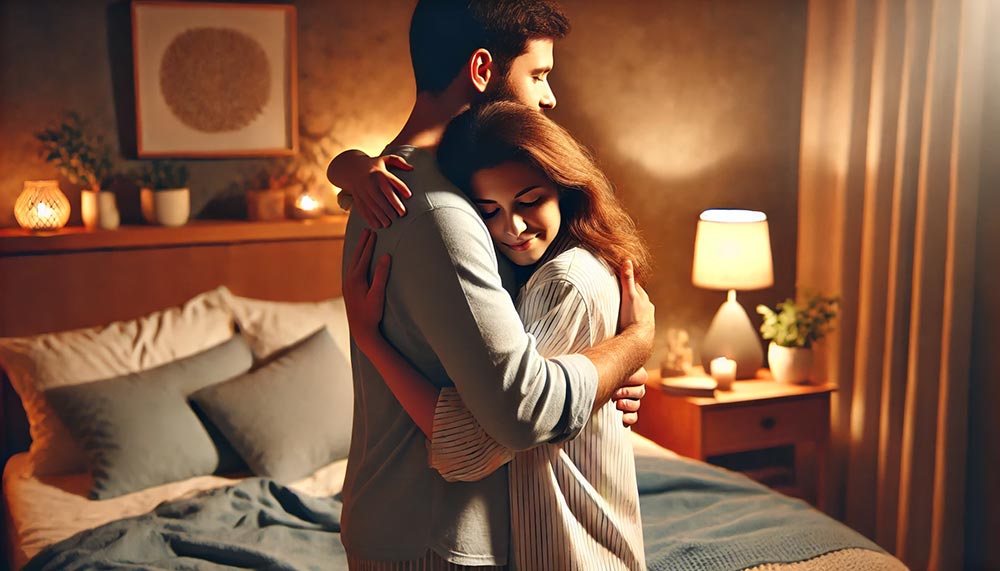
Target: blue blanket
695 516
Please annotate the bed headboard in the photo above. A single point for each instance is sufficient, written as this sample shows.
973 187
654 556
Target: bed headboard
77 278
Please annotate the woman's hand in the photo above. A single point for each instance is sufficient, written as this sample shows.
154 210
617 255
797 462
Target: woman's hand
376 192
365 303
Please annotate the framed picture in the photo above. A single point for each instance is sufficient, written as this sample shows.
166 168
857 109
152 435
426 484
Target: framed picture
214 80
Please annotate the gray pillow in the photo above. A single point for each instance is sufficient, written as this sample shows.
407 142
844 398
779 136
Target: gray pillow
138 430
291 416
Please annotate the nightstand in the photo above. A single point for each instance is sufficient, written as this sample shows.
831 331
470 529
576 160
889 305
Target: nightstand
759 416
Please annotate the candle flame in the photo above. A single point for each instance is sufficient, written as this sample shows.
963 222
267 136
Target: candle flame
307 202
44 210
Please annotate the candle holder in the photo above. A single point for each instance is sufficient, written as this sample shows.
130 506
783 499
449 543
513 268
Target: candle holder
41 206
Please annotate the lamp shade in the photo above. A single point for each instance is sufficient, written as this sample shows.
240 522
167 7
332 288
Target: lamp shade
732 250
41 206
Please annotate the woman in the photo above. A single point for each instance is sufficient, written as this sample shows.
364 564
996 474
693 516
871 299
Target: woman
550 210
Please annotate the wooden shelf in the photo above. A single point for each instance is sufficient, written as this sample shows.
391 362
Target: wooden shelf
18 242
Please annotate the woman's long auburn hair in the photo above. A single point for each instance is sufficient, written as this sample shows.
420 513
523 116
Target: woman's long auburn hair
495 133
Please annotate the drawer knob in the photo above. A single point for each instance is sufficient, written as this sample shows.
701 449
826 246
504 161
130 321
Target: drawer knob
768 422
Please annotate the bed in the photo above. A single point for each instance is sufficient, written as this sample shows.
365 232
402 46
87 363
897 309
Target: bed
695 516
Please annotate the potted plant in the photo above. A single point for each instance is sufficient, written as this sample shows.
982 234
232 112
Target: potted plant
792 329
164 196
83 159
267 190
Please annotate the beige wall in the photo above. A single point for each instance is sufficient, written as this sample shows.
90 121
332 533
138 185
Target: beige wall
691 105
688 104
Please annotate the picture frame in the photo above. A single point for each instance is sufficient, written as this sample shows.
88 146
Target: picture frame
214 79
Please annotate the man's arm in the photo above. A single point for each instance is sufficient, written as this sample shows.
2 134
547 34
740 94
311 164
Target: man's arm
445 266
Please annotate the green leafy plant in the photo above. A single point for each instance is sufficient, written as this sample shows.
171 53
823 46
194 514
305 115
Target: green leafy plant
163 175
80 156
793 325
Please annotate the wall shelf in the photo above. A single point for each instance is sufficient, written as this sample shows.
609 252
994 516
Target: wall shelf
19 242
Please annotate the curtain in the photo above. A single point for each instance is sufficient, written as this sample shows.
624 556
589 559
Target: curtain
889 179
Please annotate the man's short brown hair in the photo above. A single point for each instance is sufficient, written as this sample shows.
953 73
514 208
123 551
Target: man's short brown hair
444 33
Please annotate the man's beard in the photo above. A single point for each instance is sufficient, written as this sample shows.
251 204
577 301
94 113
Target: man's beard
497 91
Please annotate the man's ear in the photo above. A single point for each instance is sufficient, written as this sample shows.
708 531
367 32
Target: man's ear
480 69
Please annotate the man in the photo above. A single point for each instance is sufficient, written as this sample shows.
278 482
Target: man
448 313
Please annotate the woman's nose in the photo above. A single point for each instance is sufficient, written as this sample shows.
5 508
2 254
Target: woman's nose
515 225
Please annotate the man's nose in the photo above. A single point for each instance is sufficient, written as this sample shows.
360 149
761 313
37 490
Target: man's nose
548 100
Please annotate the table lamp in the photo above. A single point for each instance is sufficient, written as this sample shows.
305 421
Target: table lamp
732 251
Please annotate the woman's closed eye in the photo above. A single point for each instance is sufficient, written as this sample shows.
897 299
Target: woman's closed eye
487 214
529 203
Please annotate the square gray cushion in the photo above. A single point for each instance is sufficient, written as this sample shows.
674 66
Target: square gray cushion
291 416
138 430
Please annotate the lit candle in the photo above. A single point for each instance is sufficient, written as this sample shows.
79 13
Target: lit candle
44 210
307 202
724 372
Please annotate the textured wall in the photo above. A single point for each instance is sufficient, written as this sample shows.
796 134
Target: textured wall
689 104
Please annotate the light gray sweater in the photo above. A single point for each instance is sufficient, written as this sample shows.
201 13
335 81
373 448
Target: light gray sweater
448 313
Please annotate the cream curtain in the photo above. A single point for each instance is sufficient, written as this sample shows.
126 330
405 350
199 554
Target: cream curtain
889 178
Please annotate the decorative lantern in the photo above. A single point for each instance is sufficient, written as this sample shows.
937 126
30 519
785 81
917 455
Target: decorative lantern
41 206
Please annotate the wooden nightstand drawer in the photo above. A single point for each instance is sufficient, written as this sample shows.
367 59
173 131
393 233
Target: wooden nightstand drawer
749 427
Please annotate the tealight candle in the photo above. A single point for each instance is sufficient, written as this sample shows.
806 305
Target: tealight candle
306 206
723 370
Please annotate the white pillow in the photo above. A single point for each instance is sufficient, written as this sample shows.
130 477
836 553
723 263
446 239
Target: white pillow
272 325
35 364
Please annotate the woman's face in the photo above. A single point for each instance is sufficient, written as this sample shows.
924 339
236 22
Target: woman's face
521 209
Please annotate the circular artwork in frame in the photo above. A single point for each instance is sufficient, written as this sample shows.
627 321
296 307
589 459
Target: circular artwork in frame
214 80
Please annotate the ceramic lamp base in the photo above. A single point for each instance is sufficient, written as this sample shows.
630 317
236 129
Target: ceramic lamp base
732 335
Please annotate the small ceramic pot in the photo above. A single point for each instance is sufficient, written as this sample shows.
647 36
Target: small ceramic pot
266 204
790 364
88 208
172 207
107 211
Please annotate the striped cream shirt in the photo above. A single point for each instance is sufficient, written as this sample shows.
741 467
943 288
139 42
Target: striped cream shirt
574 504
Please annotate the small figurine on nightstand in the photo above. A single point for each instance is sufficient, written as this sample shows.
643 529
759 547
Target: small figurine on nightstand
678 357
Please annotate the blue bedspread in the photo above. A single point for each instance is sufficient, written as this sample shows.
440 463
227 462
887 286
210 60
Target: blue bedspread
695 516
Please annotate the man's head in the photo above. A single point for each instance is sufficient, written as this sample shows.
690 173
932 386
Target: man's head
503 46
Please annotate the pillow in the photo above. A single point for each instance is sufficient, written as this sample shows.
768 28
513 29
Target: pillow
138 430
36 364
291 416
273 325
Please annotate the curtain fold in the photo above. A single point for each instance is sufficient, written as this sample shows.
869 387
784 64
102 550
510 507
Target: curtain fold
889 177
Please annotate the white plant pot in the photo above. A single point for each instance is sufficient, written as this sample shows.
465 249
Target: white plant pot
170 207
790 364
108 217
88 208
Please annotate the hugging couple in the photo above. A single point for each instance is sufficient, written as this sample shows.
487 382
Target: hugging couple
498 329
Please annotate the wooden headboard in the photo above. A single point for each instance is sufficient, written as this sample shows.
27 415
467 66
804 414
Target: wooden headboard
76 278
